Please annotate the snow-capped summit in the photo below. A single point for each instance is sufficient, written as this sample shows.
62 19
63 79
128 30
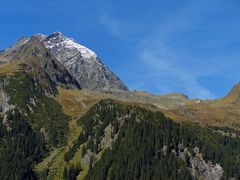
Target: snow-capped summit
81 62
57 41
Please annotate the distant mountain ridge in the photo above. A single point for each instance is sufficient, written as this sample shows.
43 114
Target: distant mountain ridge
233 96
82 63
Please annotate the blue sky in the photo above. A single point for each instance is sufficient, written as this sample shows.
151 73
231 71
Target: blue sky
188 46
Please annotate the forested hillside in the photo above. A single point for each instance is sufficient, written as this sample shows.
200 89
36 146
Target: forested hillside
118 141
151 146
34 125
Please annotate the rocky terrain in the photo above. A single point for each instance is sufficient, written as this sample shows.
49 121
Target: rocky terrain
8 54
164 102
35 58
222 112
82 63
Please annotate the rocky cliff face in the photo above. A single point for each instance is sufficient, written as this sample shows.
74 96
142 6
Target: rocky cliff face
82 63
200 168
4 103
8 54
44 68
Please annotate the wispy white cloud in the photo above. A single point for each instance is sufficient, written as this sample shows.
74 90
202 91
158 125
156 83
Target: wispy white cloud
170 62
164 55
173 75
121 29
112 25
176 64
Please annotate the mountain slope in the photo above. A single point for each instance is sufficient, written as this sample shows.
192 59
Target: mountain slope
32 122
222 112
231 100
113 132
82 63
7 55
166 101
38 61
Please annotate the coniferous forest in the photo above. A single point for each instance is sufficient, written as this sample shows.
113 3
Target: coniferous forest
146 147
20 148
138 151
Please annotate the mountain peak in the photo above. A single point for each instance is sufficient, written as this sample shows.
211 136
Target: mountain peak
235 91
43 66
33 47
232 99
81 62
59 42
9 53
57 33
